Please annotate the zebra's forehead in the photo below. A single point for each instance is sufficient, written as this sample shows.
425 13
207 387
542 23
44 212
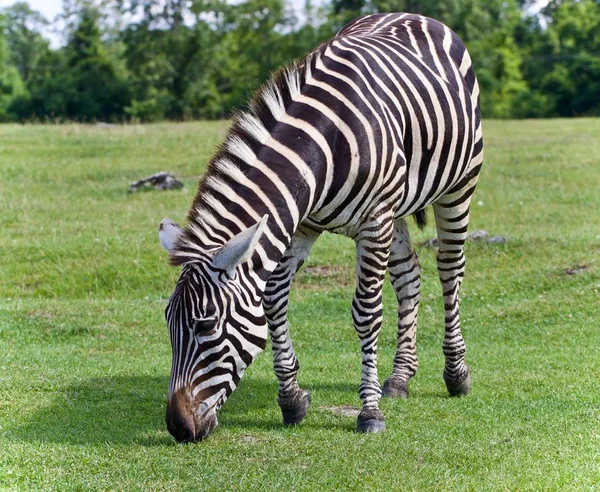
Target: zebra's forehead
198 293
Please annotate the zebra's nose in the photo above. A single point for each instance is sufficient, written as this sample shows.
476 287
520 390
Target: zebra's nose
180 418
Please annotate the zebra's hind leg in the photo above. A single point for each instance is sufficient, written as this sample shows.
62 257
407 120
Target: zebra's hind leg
452 218
405 275
293 400
372 252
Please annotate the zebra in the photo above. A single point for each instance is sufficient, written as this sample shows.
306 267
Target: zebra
368 129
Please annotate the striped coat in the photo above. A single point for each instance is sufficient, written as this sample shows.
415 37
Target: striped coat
370 128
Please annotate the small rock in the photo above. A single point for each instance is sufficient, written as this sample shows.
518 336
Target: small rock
576 270
477 235
432 243
472 236
159 181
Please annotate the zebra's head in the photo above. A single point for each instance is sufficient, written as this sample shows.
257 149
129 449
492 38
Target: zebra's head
217 327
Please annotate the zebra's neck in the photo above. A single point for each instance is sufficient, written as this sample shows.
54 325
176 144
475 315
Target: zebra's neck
268 165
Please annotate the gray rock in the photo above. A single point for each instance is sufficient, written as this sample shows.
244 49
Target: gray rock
576 270
160 181
479 235
432 243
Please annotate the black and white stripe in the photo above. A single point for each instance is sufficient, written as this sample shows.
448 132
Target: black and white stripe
373 126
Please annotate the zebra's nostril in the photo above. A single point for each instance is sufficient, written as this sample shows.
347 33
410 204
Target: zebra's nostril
187 435
181 429
180 419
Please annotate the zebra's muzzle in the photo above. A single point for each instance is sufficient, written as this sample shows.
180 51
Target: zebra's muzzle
183 423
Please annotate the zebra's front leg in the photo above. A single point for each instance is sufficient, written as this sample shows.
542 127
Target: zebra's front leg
405 275
372 253
293 400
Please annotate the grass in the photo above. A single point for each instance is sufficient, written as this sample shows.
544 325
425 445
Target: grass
85 355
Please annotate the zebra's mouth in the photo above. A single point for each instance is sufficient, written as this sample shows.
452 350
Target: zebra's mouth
206 419
208 424
188 425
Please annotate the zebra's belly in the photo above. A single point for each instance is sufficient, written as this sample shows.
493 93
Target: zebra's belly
350 221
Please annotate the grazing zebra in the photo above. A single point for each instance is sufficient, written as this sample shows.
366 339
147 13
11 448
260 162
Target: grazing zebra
373 126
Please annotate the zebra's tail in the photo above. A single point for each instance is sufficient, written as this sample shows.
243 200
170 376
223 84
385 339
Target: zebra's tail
420 217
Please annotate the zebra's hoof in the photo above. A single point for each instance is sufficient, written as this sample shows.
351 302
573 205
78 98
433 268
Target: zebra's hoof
395 388
370 421
295 407
459 386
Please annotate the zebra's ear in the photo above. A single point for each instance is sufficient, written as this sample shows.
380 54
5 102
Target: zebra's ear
240 248
168 233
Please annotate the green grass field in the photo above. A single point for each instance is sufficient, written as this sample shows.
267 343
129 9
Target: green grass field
85 354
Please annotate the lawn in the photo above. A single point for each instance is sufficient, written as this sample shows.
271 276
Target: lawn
85 354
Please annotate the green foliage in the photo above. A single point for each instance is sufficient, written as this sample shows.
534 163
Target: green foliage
574 40
97 87
150 60
26 44
11 84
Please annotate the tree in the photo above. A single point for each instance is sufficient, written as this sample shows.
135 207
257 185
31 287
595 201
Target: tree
573 50
171 62
95 85
25 41
149 60
11 84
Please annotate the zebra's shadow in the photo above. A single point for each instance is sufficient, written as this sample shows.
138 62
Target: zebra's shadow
125 409
253 407
116 409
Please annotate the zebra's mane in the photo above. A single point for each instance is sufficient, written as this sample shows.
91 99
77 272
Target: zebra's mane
250 129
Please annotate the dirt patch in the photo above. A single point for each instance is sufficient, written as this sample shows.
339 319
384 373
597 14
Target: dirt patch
324 277
41 315
345 410
576 270
248 439
322 271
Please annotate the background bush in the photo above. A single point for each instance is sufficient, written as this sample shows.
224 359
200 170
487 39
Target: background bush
150 60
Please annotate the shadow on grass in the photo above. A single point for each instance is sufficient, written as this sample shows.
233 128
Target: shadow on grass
113 409
253 407
131 410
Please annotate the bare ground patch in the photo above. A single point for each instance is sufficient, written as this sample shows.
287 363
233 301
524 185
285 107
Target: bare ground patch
40 314
344 410
249 439
325 276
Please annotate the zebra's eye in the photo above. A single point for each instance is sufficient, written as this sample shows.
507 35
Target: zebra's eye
205 326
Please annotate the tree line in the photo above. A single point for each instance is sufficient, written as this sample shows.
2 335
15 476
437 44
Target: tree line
151 60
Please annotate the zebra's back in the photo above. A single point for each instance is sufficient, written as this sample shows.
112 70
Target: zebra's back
401 90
